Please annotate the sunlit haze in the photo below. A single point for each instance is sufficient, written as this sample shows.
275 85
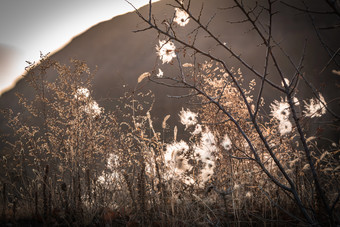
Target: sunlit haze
28 27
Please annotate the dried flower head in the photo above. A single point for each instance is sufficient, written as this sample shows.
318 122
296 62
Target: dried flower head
93 109
226 142
285 127
203 153
175 158
166 51
82 93
198 129
188 117
208 139
206 174
181 17
173 150
315 107
280 110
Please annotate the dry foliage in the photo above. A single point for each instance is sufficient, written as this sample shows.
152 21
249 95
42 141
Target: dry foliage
71 162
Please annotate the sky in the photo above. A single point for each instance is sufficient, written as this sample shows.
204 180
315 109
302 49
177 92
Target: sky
30 26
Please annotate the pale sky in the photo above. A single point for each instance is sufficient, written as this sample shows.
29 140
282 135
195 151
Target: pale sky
30 26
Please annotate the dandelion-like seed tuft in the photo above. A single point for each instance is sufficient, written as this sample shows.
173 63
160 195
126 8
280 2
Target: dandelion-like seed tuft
315 107
226 142
198 130
82 93
285 127
93 109
280 110
208 139
166 51
188 117
175 160
181 17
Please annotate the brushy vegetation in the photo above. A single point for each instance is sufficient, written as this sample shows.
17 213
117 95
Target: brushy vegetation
73 163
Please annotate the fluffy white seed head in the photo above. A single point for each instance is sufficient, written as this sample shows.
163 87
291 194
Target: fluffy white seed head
280 110
315 107
285 127
188 117
82 93
181 17
226 142
166 51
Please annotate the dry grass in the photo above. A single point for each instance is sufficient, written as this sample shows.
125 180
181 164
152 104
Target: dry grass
73 163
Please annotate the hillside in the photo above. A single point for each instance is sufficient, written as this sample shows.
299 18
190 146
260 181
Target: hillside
121 55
